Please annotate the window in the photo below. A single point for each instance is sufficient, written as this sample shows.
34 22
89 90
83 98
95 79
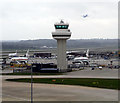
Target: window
66 26
61 26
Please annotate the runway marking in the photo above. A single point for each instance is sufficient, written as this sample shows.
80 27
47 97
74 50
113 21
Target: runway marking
15 97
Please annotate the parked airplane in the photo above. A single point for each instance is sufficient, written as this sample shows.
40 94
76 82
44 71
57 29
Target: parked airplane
19 58
12 54
20 61
83 59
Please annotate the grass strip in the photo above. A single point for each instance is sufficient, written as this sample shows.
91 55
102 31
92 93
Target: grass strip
90 82
30 73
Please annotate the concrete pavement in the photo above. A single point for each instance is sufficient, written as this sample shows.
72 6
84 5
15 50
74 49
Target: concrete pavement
16 91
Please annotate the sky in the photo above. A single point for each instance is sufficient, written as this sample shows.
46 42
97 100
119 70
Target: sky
34 19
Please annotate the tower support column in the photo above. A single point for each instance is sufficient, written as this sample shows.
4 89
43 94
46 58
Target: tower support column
61 55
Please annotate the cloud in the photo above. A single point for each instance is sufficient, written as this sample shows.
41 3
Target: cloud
28 19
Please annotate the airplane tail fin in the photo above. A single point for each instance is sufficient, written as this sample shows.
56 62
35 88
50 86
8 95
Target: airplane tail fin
27 53
87 53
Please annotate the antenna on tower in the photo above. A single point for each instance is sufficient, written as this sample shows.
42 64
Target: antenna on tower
61 21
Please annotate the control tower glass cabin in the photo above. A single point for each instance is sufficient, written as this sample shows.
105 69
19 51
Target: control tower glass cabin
62 31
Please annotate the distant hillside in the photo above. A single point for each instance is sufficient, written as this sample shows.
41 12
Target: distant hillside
50 43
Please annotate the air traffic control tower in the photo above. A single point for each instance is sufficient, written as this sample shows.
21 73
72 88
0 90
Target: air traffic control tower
61 34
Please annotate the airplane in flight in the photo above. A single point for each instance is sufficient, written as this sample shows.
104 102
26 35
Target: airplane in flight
84 16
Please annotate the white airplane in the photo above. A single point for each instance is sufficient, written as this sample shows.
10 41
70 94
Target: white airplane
12 54
83 59
84 16
27 53
21 58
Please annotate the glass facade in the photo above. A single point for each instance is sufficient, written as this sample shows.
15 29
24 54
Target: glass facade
61 26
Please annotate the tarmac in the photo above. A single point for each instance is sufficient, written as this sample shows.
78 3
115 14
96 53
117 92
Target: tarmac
16 91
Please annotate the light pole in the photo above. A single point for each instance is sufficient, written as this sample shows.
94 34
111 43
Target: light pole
31 86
